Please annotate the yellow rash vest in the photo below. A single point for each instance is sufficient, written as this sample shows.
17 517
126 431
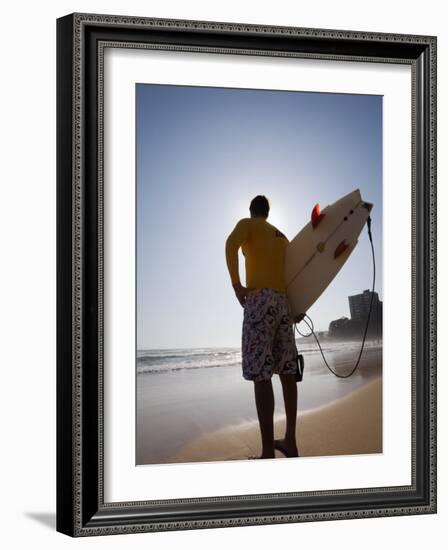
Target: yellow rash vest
264 248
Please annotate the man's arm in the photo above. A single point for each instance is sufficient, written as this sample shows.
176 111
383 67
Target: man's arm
238 236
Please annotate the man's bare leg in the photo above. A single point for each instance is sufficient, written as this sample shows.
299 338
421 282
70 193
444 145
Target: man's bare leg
264 400
288 445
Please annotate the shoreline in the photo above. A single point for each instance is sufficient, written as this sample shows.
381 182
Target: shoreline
349 425
175 408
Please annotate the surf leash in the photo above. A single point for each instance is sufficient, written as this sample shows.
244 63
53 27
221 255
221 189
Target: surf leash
308 321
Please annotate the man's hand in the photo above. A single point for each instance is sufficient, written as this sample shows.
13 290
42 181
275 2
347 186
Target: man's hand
241 293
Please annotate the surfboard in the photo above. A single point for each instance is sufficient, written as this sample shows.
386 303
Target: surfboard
317 253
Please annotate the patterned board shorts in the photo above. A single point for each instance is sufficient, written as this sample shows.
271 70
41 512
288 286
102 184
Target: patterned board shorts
268 344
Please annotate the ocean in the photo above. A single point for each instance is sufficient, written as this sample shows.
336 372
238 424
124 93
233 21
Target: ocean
157 361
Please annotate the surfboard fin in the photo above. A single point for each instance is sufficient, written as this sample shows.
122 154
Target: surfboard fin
316 216
340 249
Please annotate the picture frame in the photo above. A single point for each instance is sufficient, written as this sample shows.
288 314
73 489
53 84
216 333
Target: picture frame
81 506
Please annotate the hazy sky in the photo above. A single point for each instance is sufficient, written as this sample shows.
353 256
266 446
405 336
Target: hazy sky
202 155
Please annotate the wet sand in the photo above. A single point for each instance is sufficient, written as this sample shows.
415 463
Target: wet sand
350 425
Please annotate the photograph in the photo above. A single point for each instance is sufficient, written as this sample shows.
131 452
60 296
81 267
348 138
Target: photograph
246 292
222 244
259 295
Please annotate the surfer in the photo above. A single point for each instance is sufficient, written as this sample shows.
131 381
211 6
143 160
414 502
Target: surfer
268 344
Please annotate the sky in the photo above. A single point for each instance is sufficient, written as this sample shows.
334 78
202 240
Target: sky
202 154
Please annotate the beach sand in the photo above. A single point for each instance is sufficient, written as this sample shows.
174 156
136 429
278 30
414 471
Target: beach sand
350 425
178 409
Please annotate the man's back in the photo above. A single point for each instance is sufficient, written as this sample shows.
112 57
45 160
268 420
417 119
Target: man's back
264 247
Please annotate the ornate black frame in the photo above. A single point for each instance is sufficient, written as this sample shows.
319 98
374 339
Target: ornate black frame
81 39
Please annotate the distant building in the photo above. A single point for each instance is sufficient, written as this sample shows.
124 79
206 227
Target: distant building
360 305
359 311
340 328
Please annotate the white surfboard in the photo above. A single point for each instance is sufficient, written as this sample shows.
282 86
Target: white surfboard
320 249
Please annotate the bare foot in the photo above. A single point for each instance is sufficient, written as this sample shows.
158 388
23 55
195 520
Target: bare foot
287 449
252 457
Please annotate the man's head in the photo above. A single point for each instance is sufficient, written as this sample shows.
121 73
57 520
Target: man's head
259 207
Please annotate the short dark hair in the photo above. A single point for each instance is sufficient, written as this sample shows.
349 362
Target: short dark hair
259 206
